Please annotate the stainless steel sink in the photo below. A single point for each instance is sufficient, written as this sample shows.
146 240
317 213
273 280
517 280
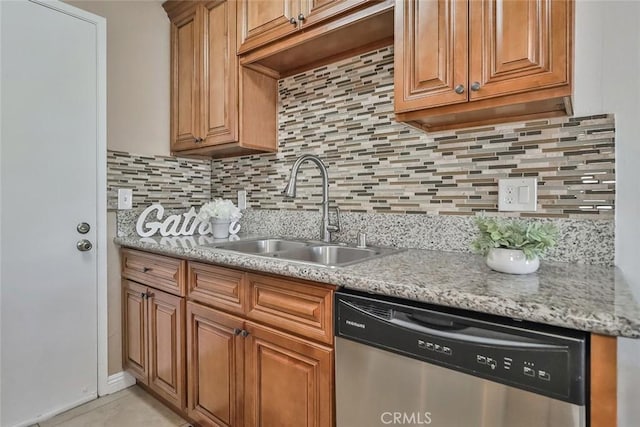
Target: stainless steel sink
328 255
308 252
261 246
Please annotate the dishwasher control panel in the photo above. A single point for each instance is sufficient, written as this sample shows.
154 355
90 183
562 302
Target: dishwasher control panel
546 360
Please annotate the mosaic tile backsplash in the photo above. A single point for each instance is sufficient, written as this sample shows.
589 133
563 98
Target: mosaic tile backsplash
174 182
344 114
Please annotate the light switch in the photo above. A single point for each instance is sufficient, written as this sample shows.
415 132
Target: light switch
125 198
518 194
242 199
523 194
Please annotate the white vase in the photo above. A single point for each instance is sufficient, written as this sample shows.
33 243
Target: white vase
512 261
220 228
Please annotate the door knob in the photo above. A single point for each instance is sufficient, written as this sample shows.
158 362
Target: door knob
459 89
84 245
83 228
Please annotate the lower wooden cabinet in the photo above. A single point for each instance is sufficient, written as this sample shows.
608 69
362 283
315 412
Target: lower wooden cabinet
288 380
215 357
153 340
241 373
241 350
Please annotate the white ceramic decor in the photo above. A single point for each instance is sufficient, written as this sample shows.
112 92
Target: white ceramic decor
220 228
511 261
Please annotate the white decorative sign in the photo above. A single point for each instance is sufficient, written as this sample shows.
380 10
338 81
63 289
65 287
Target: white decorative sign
174 225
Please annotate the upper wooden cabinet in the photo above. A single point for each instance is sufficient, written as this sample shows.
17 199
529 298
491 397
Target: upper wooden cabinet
262 22
462 63
218 108
285 37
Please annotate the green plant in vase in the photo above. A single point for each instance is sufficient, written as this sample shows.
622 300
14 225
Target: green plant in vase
512 245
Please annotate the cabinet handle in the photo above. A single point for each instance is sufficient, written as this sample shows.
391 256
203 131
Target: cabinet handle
145 269
143 295
293 21
475 86
301 17
459 89
237 331
149 295
244 333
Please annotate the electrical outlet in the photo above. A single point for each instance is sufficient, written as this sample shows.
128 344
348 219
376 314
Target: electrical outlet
518 194
125 198
242 199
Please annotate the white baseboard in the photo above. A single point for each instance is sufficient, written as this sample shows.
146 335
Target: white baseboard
117 382
57 411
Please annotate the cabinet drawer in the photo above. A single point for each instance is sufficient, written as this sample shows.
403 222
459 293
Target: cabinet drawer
296 306
157 271
217 286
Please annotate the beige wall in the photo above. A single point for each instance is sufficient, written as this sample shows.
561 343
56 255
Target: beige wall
138 53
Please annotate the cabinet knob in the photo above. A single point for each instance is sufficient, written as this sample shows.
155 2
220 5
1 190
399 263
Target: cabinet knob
301 17
475 86
237 331
143 295
293 21
244 333
459 89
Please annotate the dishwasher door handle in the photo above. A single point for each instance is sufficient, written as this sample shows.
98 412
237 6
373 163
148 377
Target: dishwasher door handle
469 334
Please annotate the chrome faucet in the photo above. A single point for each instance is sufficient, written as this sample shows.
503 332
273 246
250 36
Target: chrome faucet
290 191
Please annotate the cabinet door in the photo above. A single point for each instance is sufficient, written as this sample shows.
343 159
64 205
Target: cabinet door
518 46
430 53
186 65
167 346
220 101
318 10
289 381
215 366
261 22
134 319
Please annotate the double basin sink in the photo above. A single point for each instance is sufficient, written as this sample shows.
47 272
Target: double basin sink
305 251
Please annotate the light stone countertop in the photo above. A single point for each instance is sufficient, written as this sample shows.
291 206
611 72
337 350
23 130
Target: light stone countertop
585 297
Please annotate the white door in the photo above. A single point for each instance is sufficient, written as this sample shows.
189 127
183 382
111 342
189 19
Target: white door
50 120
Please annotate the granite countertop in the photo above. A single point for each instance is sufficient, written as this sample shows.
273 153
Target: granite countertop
584 297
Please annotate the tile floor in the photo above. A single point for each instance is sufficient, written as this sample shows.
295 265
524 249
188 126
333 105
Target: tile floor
132 407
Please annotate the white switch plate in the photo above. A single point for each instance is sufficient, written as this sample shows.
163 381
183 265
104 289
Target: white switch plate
125 198
518 194
242 199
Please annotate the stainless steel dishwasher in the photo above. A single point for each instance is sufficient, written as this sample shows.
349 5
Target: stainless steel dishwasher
412 364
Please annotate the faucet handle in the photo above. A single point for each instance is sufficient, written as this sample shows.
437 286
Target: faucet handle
334 228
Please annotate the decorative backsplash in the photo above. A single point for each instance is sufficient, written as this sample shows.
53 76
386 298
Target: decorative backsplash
344 114
174 182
